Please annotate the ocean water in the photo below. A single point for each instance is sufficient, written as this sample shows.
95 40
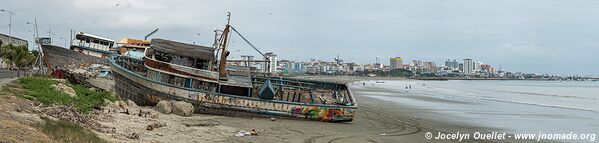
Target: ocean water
513 106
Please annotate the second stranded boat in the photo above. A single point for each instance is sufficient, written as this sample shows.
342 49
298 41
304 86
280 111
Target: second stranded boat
172 70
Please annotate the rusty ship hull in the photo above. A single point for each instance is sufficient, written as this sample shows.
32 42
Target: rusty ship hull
132 83
55 56
67 60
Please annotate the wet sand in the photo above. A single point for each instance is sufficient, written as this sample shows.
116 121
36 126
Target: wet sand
376 121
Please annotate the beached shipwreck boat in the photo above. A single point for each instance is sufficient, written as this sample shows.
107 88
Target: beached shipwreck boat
84 49
84 62
172 70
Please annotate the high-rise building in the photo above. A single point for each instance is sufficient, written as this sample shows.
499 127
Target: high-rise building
468 66
451 64
271 65
247 58
395 63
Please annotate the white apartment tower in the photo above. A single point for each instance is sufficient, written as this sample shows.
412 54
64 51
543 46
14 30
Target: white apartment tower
271 66
468 66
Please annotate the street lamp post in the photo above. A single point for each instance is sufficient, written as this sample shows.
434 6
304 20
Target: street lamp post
65 42
10 14
51 35
34 28
34 33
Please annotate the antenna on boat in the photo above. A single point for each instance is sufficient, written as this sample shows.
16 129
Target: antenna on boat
151 33
228 18
224 53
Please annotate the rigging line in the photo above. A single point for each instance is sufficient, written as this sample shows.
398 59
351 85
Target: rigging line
218 43
247 41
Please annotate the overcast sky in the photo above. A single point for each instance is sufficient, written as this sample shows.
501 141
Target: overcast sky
557 37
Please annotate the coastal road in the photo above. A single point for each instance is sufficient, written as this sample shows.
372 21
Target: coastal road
5 73
7 76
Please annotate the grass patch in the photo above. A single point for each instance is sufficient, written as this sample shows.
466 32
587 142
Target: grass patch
12 88
64 131
89 99
38 88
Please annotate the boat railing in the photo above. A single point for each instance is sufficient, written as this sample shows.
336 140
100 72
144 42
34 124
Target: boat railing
131 64
293 90
194 71
97 47
300 83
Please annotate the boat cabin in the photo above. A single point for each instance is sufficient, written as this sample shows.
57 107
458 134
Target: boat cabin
190 66
133 48
181 64
92 45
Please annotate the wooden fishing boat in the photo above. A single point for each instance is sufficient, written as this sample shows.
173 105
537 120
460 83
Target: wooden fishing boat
173 70
83 62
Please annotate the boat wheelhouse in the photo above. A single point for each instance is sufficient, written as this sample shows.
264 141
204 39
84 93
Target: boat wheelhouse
133 47
92 45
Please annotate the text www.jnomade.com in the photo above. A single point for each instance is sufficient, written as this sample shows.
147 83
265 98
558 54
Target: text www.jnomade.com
502 136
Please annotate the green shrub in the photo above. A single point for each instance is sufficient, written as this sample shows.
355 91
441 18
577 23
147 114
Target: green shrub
39 89
88 99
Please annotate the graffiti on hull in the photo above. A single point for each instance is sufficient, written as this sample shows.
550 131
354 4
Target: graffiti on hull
326 114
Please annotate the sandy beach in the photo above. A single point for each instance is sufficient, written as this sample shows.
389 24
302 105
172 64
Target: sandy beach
376 121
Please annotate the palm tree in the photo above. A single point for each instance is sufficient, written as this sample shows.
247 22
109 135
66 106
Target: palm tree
17 57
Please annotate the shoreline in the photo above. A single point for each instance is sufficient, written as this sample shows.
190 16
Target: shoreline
376 121
343 78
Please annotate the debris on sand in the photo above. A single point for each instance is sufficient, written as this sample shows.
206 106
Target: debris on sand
129 108
203 123
242 133
253 132
70 114
155 125
133 136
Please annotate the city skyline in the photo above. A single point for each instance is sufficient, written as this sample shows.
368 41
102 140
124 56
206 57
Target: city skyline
548 35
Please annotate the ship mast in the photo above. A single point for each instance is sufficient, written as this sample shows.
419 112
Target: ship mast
224 53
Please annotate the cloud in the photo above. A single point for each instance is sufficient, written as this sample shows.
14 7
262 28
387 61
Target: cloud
485 32
526 35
